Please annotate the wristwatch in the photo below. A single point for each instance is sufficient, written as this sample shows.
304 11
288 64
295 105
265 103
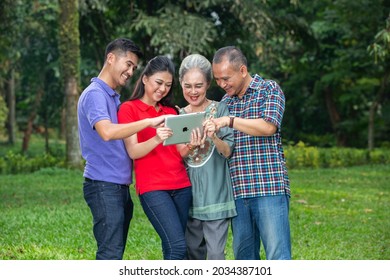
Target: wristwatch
231 121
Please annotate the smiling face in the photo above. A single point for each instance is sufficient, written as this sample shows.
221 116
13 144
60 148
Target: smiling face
157 86
122 67
233 80
194 87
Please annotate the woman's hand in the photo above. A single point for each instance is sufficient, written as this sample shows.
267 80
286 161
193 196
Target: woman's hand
197 138
163 133
209 128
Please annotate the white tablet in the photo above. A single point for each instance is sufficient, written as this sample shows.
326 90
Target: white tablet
182 126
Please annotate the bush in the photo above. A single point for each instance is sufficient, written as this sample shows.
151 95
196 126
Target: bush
381 156
297 156
300 156
343 157
14 163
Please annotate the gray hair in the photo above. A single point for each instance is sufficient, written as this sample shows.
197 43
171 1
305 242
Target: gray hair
196 61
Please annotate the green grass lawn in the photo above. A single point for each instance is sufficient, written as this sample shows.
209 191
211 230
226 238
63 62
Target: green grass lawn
335 214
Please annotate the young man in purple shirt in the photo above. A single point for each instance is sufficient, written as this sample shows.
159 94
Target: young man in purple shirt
259 175
108 169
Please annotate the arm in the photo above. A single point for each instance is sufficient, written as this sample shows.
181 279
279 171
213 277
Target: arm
197 140
112 131
222 147
138 150
254 127
266 117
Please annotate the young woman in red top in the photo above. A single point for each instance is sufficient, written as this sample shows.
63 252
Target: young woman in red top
161 179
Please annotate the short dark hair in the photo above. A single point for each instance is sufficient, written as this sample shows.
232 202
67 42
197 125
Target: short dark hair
123 45
233 54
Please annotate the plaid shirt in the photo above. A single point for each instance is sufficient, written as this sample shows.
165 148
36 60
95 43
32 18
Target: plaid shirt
257 164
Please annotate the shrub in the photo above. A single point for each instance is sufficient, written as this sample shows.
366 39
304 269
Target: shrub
301 156
343 157
14 163
381 156
297 156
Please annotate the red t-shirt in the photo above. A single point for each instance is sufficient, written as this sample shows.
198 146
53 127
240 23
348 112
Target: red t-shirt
163 168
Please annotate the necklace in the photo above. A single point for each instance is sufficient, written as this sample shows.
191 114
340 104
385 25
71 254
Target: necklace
201 108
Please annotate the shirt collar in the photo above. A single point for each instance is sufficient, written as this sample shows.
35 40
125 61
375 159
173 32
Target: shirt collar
145 107
254 84
106 87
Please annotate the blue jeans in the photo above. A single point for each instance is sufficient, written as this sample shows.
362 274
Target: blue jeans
112 209
168 213
262 219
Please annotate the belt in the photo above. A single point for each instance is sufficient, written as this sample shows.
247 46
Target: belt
91 181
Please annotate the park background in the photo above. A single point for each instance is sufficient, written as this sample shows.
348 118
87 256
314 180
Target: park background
331 59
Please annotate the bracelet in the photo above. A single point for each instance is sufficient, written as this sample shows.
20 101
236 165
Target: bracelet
231 121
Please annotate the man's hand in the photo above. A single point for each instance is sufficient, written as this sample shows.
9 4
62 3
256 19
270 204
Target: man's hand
221 122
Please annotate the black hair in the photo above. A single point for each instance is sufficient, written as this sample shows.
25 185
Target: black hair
155 65
123 45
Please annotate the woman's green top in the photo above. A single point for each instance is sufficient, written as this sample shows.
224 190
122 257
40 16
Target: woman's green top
209 173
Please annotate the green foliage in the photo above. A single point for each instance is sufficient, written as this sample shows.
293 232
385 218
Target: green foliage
380 156
37 43
3 115
15 163
163 25
343 157
309 47
330 85
303 156
297 156
380 48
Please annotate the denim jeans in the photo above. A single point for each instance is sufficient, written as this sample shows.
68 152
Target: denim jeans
112 209
262 219
168 213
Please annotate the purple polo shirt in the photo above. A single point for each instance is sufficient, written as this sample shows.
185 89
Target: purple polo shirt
105 160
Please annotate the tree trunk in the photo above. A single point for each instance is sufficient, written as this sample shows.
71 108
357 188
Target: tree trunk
69 45
371 119
372 112
31 118
46 134
63 123
335 118
11 123
73 153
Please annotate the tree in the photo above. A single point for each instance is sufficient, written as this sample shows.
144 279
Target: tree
38 57
380 49
10 34
69 46
329 86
